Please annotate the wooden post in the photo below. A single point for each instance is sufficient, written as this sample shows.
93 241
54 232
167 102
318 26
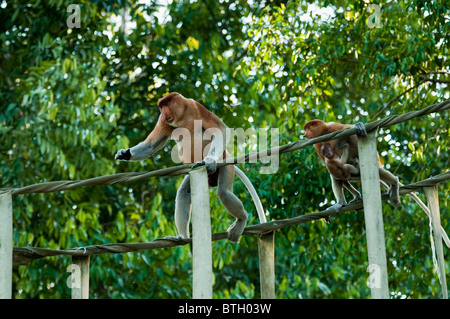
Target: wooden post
266 246
6 247
266 249
373 215
201 235
433 204
80 279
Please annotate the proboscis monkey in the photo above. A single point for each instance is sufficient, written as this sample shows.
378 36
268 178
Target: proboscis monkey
201 135
338 166
315 128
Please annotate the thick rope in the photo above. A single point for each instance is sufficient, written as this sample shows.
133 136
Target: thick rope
23 255
184 169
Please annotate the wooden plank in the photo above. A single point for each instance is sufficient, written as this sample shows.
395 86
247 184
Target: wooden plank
433 204
266 246
373 215
6 245
266 250
80 283
201 235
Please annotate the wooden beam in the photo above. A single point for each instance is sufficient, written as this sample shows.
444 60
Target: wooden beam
80 283
433 204
266 246
6 245
373 215
266 250
201 235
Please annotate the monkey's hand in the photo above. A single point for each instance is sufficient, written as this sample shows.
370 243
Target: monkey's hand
211 164
123 155
360 129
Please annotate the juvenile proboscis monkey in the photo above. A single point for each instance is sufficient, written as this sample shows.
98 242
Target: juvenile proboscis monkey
315 128
194 120
338 166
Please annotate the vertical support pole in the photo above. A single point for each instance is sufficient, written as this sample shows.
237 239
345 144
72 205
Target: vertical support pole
266 249
266 245
433 204
6 248
80 287
373 215
201 235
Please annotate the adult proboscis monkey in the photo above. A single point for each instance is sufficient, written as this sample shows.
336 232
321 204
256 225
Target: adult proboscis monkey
201 135
316 128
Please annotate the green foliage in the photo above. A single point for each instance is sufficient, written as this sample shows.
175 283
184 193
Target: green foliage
70 98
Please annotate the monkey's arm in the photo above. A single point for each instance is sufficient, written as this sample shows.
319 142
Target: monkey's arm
153 143
345 153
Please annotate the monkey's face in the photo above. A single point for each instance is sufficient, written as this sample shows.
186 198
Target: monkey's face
327 150
173 111
313 128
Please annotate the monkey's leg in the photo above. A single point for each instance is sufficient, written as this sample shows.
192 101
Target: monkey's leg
353 191
183 208
390 178
231 203
338 192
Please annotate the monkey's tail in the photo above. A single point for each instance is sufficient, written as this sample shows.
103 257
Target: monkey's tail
253 193
425 209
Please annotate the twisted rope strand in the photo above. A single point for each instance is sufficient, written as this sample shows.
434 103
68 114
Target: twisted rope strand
23 255
131 177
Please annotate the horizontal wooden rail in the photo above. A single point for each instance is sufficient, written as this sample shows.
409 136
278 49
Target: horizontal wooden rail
23 255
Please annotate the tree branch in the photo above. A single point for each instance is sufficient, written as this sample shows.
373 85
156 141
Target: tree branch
396 98
433 80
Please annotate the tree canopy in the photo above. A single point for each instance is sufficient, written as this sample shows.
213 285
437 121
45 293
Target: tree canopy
71 97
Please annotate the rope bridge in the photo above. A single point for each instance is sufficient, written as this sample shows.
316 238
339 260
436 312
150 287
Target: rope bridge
131 177
264 231
24 255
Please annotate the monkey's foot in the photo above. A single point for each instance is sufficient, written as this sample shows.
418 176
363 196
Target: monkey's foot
336 206
355 199
394 198
177 238
235 230
211 164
